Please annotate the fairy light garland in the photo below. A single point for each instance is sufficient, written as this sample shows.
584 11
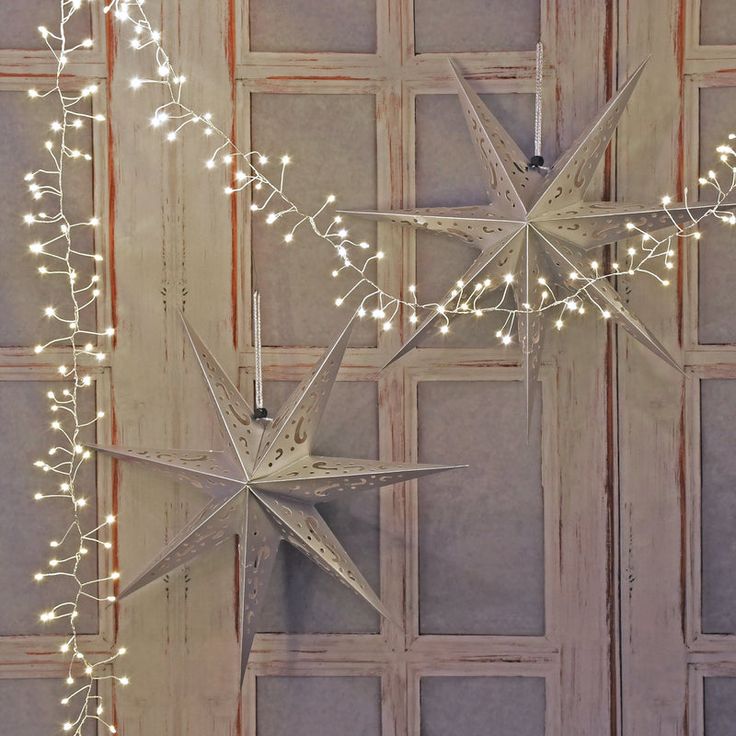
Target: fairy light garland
62 258
652 257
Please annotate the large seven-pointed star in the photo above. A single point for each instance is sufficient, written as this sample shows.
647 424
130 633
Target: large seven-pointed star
536 224
264 486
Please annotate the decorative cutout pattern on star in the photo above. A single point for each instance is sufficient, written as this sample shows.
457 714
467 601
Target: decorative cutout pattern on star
264 486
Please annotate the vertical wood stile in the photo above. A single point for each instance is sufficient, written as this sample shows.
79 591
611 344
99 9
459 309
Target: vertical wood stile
583 33
650 410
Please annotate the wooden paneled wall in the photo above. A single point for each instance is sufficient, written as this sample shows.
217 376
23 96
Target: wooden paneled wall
574 584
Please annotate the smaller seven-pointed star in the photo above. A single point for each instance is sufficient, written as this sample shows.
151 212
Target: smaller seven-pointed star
264 486
537 226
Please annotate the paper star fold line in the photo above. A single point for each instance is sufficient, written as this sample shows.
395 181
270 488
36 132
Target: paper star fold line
264 486
536 230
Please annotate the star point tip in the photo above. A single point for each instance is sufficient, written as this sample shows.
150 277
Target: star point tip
452 62
638 71
407 347
443 468
345 332
359 213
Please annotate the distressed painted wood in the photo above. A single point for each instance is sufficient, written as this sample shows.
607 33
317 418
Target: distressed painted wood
623 651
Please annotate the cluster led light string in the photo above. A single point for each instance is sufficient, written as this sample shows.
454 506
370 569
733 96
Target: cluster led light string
653 257
62 258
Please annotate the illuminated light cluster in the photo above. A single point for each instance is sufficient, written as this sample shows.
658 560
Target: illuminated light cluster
267 193
63 259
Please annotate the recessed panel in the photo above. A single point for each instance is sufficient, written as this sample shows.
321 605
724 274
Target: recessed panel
449 174
20 19
31 706
716 28
318 706
24 293
717 255
26 531
331 140
476 25
313 25
718 505
482 706
302 598
481 528
719 707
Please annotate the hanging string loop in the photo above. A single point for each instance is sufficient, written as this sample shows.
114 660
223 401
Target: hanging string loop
260 410
537 160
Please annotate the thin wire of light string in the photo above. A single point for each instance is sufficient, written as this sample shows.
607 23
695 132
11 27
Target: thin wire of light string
270 194
538 76
63 258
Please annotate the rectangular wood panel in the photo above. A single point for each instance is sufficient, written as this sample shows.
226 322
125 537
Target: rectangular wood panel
313 25
331 139
31 706
20 19
481 529
318 706
476 25
718 505
716 254
26 532
24 126
719 706
483 706
716 28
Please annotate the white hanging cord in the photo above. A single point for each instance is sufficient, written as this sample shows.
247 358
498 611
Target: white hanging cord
260 409
538 104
